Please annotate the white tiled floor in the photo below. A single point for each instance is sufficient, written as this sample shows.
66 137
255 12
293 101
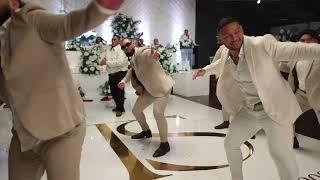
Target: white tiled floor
100 162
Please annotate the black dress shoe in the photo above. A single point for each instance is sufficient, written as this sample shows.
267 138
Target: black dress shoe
143 134
162 150
295 143
118 113
115 110
223 125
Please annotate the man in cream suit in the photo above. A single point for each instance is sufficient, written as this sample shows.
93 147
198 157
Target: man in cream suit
153 85
304 78
48 113
251 89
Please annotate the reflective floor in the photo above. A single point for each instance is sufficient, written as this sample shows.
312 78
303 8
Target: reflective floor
197 150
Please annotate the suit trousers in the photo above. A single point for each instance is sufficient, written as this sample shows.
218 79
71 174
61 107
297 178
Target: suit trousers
304 103
59 157
117 94
225 115
159 106
279 137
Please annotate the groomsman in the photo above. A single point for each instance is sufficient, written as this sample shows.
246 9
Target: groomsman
304 78
153 85
117 67
247 67
48 114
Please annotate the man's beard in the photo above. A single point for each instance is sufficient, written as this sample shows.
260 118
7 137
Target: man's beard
131 53
4 15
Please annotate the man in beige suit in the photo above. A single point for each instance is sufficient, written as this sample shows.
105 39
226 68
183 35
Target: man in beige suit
48 114
153 85
252 90
304 78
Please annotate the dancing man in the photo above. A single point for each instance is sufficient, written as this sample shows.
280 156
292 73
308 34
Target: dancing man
252 90
153 85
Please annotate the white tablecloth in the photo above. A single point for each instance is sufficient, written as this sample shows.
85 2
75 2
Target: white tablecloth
185 86
89 83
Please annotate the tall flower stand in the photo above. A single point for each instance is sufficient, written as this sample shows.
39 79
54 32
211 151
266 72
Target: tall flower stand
186 59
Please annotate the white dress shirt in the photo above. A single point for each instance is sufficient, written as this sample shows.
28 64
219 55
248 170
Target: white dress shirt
242 76
116 59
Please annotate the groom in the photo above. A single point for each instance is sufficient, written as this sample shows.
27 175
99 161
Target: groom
246 68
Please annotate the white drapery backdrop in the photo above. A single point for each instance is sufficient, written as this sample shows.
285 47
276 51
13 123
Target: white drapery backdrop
164 19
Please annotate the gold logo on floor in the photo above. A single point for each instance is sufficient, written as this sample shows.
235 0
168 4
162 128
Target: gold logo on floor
138 170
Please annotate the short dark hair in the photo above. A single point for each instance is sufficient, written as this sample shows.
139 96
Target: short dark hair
117 35
225 21
310 32
21 3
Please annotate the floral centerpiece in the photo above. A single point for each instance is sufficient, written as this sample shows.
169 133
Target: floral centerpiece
185 42
73 45
125 26
90 56
165 55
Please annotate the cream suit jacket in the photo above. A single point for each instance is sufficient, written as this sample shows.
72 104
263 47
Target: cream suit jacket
150 73
36 73
312 81
263 54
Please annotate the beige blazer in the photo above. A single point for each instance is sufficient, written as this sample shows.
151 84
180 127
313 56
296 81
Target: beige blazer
312 81
263 55
39 85
150 73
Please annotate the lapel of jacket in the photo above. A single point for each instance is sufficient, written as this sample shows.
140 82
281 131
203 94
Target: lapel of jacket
247 55
309 69
312 68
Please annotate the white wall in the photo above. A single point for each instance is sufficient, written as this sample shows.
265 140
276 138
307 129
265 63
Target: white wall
165 19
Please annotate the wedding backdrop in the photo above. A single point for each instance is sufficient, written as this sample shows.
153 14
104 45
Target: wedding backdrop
164 19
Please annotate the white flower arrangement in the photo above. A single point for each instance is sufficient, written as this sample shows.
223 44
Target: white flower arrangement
185 42
73 45
125 26
165 55
89 57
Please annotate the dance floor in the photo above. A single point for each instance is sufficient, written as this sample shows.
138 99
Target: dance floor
197 150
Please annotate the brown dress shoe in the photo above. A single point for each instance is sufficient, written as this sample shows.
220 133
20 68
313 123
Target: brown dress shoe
143 134
163 149
118 113
223 125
